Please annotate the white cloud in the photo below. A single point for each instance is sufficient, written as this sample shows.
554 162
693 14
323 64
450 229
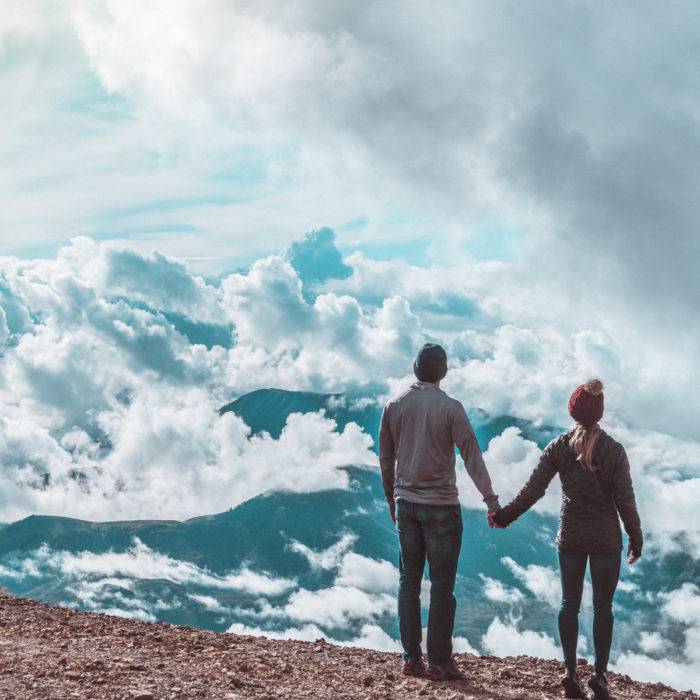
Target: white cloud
338 606
371 636
371 575
326 559
155 150
141 615
652 642
307 633
542 581
105 386
140 562
646 669
510 459
115 393
208 602
680 668
500 593
505 639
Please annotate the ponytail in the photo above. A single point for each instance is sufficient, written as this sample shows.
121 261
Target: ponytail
582 441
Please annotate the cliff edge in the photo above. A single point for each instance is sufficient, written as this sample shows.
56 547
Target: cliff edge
56 653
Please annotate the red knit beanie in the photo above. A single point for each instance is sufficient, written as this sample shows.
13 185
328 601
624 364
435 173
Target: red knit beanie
586 403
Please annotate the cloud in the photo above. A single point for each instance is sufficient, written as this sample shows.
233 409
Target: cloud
643 668
350 130
103 398
680 613
326 559
140 562
374 576
208 602
542 581
505 639
96 373
338 606
333 342
307 633
360 601
652 643
495 590
371 575
510 459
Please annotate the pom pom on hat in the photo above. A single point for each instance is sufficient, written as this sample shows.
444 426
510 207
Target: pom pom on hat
594 387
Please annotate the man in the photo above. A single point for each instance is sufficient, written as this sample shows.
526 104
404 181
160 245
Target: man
419 430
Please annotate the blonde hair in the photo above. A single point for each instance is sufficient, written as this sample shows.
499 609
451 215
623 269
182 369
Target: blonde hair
583 439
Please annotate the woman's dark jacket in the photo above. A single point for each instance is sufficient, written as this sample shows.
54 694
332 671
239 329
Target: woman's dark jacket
591 501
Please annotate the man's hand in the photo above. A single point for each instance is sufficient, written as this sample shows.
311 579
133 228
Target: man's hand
492 522
392 511
633 556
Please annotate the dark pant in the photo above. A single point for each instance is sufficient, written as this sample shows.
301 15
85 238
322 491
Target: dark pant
605 573
434 532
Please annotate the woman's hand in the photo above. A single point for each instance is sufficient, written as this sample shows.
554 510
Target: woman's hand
492 522
632 554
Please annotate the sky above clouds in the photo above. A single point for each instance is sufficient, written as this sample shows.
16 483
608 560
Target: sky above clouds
559 139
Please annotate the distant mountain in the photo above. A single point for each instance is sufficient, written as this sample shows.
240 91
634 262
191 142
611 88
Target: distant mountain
267 410
198 572
258 534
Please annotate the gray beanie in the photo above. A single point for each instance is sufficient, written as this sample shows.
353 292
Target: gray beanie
431 363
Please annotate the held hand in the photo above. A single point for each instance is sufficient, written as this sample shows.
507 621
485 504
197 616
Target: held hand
492 522
631 554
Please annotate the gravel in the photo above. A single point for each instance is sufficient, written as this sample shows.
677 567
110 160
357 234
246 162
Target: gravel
50 652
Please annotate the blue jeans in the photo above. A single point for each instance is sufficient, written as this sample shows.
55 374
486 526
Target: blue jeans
605 573
433 532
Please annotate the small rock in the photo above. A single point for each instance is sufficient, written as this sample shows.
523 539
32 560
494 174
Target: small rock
142 695
72 675
582 662
367 681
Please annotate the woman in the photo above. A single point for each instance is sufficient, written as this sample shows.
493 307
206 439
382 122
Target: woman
596 486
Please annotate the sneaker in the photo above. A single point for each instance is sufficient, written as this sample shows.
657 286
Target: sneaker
444 671
413 667
572 685
598 683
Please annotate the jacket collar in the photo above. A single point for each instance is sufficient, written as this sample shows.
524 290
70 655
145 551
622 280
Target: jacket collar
424 385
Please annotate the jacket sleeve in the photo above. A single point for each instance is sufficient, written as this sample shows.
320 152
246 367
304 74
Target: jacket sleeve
463 436
387 455
533 490
623 495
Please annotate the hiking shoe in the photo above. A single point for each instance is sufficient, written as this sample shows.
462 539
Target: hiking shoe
572 685
444 671
598 683
413 667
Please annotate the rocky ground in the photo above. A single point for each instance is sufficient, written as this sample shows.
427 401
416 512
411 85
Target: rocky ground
52 653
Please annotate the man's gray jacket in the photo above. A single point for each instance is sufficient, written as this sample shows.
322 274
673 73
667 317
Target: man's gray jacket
418 434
